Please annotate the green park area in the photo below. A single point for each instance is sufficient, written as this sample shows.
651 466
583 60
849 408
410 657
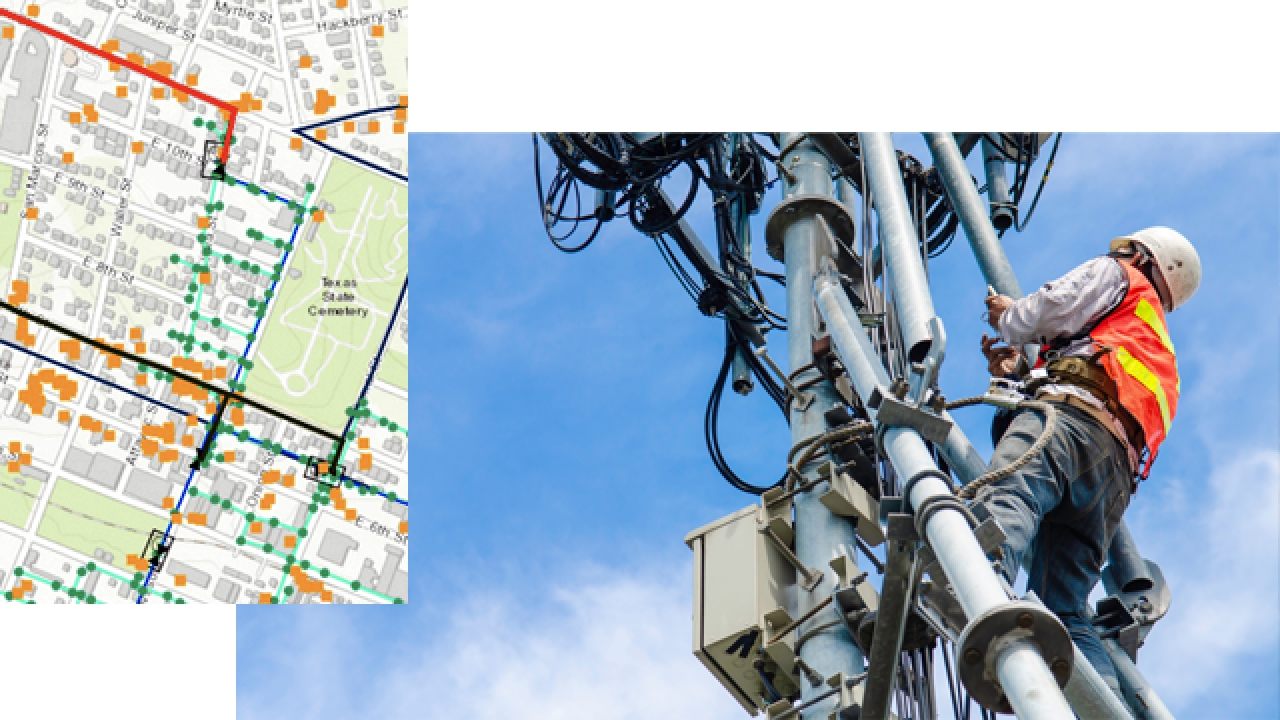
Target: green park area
85 521
332 308
18 495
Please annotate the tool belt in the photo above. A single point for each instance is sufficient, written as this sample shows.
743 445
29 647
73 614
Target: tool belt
1089 375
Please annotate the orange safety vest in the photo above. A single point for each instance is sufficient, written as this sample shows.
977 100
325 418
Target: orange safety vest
1142 361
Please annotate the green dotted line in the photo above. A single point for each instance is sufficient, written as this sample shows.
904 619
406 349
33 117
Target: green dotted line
362 411
80 596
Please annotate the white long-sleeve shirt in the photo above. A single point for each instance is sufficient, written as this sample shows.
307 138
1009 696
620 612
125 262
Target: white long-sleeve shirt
1062 308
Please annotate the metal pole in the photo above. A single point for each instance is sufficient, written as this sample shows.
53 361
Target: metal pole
973 215
1142 698
997 186
901 246
818 532
1031 688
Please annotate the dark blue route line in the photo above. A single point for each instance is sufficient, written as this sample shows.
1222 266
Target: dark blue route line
377 359
376 491
97 379
301 132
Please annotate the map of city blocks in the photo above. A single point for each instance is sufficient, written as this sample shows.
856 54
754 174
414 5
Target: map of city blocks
203 280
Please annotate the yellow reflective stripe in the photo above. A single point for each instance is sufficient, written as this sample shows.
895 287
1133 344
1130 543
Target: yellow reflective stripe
1134 367
1149 316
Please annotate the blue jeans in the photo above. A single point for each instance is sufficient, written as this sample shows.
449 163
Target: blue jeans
1064 507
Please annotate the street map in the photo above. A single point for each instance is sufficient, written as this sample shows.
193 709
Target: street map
203 281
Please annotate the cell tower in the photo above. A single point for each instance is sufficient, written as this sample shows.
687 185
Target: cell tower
783 616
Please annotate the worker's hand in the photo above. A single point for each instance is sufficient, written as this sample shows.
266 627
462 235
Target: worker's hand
996 305
1000 360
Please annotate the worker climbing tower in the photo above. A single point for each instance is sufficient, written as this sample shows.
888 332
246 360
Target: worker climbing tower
787 615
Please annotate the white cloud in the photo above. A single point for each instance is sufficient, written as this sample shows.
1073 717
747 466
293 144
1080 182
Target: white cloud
1226 601
602 645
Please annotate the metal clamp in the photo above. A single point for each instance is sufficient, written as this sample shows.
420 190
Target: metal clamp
891 412
981 641
802 398
811 577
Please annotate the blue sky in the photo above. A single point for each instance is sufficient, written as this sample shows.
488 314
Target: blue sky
559 460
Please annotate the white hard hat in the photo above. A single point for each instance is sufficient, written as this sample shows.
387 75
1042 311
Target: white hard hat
1176 261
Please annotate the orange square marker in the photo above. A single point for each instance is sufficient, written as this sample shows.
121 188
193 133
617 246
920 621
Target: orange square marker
86 423
179 580
257 105
180 96
193 79
167 503
75 118
122 91
237 416
323 467
157 93
64 416
339 3
229 456
175 517
378 31
211 408
205 278
398 128
402 113
322 134
287 481
295 143
264 598
202 223
112 45
138 147
352 515
255 527
135 58
188 441
349 126
7 33
404 101
68 158
108 435
15 446
366 462
113 66
340 504
197 518
404 527
268 500
290 541
270 477
374 126
220 372
14 466
33 214
135 333
335 494
33 11
192 420
318 216
25 458
326 596
363 443
304 62
140 379
139 348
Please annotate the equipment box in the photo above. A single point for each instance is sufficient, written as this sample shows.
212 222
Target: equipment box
742 585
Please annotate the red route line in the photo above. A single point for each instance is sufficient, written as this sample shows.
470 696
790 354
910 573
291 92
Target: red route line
221 104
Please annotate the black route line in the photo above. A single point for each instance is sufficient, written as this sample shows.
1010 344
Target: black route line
228 395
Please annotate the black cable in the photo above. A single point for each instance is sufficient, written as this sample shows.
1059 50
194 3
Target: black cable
710 429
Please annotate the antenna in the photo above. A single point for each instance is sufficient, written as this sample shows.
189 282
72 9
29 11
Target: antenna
783 617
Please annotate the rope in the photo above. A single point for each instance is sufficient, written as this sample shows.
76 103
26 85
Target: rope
1050 426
